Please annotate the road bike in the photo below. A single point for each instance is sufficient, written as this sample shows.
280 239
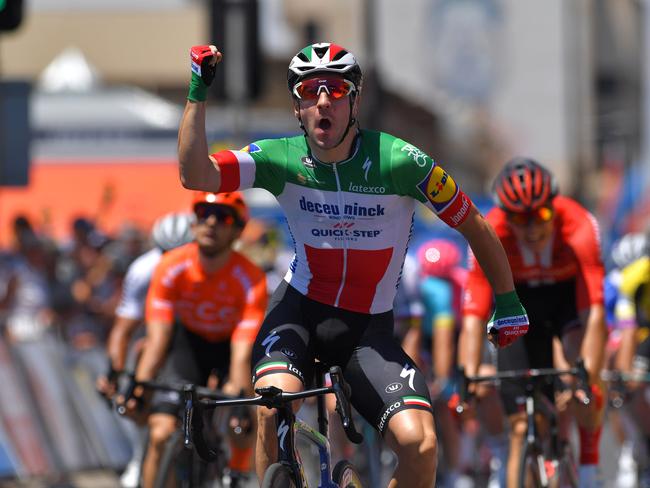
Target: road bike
288 472
546 461
179 466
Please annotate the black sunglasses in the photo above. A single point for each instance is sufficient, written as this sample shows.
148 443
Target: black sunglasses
224 215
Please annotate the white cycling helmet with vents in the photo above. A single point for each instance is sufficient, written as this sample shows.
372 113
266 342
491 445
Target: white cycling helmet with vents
172 230
324 57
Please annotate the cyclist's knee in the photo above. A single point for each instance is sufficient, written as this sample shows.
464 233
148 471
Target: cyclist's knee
518 427
412 436
161 428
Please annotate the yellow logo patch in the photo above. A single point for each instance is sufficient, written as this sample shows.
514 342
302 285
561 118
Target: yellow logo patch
441 187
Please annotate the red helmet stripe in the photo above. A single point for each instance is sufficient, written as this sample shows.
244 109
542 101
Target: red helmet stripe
507 201
334 50
524 198
538 179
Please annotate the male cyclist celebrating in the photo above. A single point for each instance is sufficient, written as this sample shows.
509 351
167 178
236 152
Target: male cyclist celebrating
349 196
553 248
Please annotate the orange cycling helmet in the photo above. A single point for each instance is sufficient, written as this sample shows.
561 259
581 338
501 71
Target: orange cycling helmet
233 199
523 185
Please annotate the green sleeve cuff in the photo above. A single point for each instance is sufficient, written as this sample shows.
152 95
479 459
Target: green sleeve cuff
198 89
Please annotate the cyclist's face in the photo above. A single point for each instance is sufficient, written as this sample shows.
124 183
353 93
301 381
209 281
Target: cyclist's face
534 234
325 118
215 231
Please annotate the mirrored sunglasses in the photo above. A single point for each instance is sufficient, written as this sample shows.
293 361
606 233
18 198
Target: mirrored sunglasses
334 86
223 215
540 215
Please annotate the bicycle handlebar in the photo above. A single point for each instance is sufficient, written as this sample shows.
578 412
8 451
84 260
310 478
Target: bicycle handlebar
532 374
128 390
270 397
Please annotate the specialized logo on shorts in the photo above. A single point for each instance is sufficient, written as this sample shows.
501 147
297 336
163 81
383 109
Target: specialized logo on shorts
408 372
393 387
268 342
251 148
420 158
438 187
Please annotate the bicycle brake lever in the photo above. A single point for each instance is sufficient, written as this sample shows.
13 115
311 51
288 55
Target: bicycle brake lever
342 392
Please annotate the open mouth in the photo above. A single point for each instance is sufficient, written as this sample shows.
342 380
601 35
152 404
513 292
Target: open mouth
324 124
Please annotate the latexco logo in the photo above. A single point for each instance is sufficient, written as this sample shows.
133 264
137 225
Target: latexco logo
387 412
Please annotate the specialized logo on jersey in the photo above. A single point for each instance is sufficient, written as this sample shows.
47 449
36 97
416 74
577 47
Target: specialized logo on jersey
420 158
251 148
366 167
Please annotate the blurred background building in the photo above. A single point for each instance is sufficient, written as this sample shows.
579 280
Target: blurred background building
472 82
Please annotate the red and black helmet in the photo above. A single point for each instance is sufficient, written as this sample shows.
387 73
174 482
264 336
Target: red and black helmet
523 185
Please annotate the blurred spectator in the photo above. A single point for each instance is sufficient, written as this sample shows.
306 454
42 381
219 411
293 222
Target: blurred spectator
25 296
93 285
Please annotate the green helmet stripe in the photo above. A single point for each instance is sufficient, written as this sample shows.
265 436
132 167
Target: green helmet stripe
308 51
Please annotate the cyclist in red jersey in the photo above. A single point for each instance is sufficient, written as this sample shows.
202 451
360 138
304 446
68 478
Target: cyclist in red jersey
553 247
204 307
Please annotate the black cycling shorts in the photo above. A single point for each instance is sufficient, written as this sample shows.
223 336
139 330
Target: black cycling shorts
190 359
297 330
552 312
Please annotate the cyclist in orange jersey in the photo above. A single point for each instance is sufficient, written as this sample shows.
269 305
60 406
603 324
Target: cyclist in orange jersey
204 307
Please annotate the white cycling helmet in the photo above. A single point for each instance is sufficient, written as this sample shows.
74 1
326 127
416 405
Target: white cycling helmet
629 248
172 230
324 57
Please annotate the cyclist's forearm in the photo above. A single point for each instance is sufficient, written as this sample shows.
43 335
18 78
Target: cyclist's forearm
471 344
197 170
240 371
593 344
155 350
625 354
118 341
443 347
489 252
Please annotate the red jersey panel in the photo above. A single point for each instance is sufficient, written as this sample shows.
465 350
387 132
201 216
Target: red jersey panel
572 253
227 305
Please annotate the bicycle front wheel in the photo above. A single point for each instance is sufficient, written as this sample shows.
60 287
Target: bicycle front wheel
278 476
345 475
530 466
